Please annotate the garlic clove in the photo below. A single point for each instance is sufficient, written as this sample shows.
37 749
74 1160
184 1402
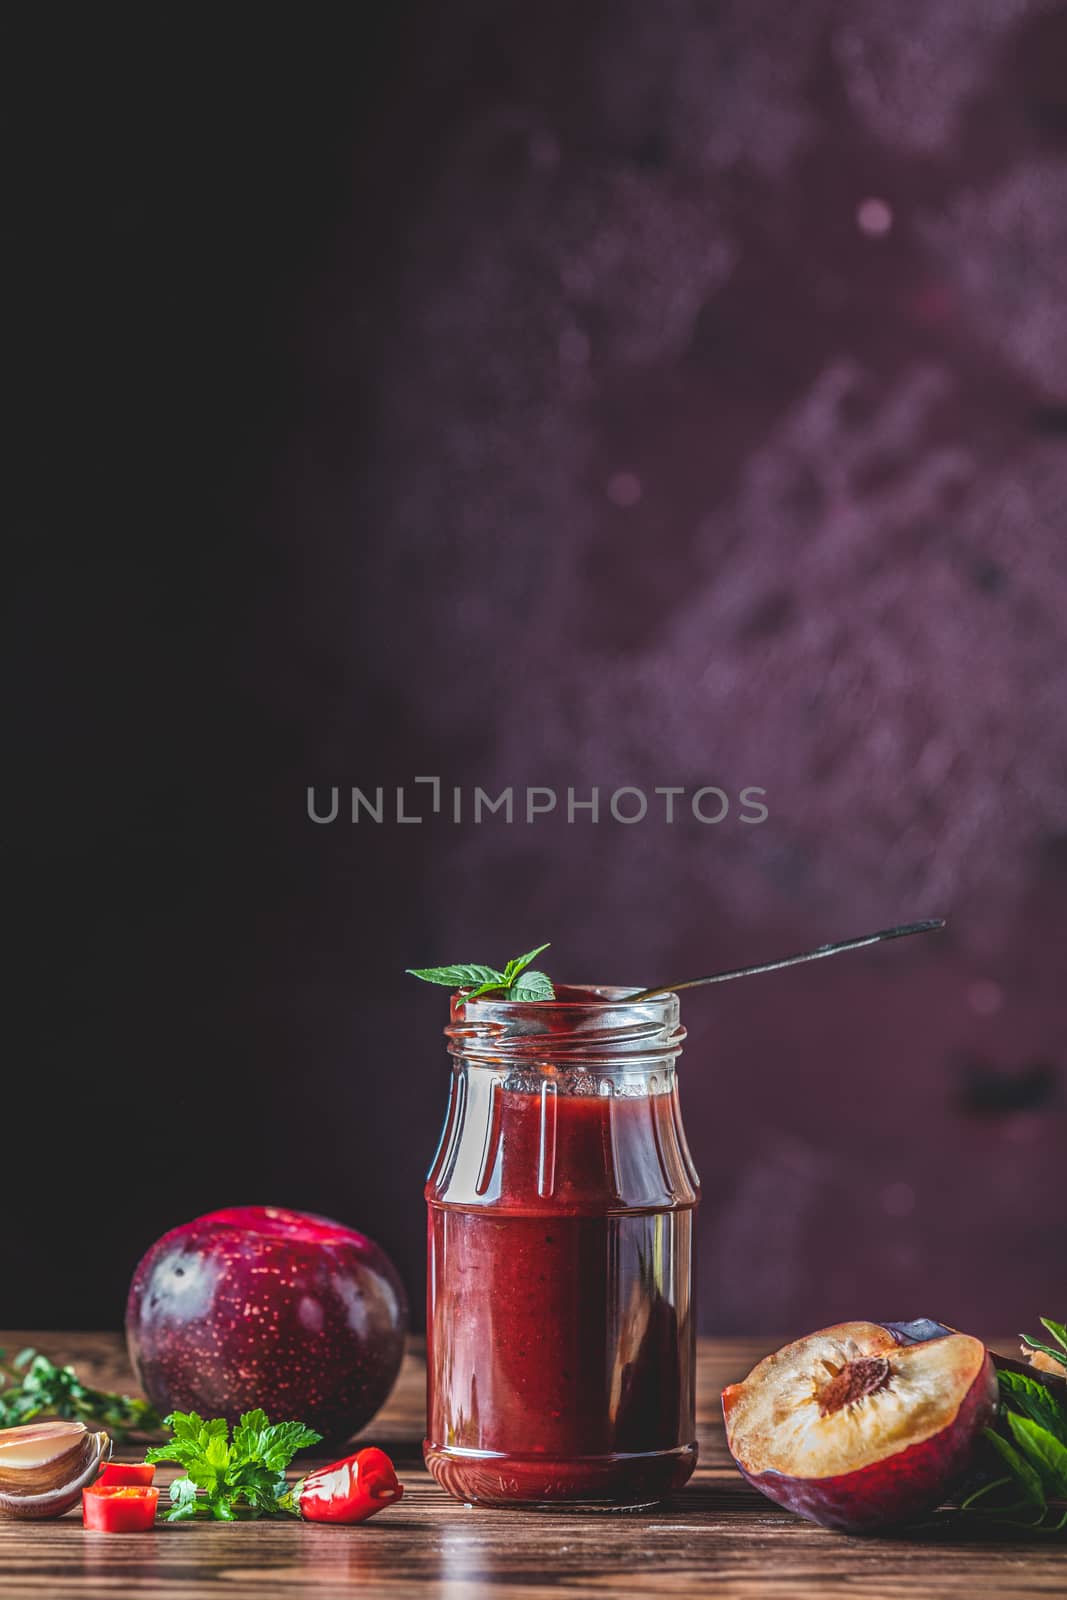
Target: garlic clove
45 1465
38 1443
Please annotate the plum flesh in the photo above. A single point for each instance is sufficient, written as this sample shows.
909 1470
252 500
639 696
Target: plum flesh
856 1430
1052 1375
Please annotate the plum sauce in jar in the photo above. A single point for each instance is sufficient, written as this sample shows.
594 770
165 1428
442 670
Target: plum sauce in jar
560 1331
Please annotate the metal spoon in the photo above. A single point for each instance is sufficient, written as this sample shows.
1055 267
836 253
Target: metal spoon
902 932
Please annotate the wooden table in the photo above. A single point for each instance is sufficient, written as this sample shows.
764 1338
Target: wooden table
715 1538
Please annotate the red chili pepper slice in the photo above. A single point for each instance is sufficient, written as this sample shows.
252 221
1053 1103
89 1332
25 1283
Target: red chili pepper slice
119 1508
119 1473
349 1491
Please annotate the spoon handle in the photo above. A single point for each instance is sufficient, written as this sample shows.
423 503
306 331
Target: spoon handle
901 932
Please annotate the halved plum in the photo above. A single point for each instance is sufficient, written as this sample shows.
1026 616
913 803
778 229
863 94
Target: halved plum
856 1431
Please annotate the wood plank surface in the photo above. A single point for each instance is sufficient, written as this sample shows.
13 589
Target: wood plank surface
716 1537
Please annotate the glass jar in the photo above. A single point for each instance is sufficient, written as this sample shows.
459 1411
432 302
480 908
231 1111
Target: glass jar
560 1325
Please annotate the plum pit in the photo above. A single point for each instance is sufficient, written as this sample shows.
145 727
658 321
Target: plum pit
852 1383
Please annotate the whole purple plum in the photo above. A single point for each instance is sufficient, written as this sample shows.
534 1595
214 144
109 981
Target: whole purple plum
258 1306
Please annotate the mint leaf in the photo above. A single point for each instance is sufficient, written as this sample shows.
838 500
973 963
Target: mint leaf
1035 1344
500 982
532 986
458 977
520 963
1044 1452
1023 1474
1058 1332
1033 1399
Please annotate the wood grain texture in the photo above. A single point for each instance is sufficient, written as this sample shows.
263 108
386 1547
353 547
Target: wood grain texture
717 1536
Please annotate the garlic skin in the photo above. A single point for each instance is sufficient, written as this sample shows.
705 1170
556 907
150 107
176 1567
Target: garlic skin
44 1466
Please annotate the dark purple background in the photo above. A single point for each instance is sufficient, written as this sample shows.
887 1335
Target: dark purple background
558 395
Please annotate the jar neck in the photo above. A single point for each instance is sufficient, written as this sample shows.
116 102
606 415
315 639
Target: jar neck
605 1080
595 1032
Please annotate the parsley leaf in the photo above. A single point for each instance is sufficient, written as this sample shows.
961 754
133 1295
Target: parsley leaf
32 1386
229 1478
516 982
183 1500
280 1443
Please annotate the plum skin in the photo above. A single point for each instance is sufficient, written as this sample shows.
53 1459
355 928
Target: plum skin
259 1306
899 1488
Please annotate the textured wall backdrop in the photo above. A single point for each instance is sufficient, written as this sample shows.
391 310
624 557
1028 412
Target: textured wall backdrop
612 394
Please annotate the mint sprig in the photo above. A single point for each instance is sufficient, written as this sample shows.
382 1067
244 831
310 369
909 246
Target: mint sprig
1031 1442
229 1479
518 981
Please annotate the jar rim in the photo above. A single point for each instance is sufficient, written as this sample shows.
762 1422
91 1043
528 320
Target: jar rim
590 1023
571 997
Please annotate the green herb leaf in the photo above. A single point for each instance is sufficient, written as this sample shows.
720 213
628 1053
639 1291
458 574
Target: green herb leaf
261 1490
520 963
458 977
1031 1441
1023 1474
228 1478
217 1454
183 1500
514 983
249 1432
532 986
1058 1332
1035 1344
203 1473
189 1425
486 988
283 1441
1034 1399
1044 1452
31 1386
